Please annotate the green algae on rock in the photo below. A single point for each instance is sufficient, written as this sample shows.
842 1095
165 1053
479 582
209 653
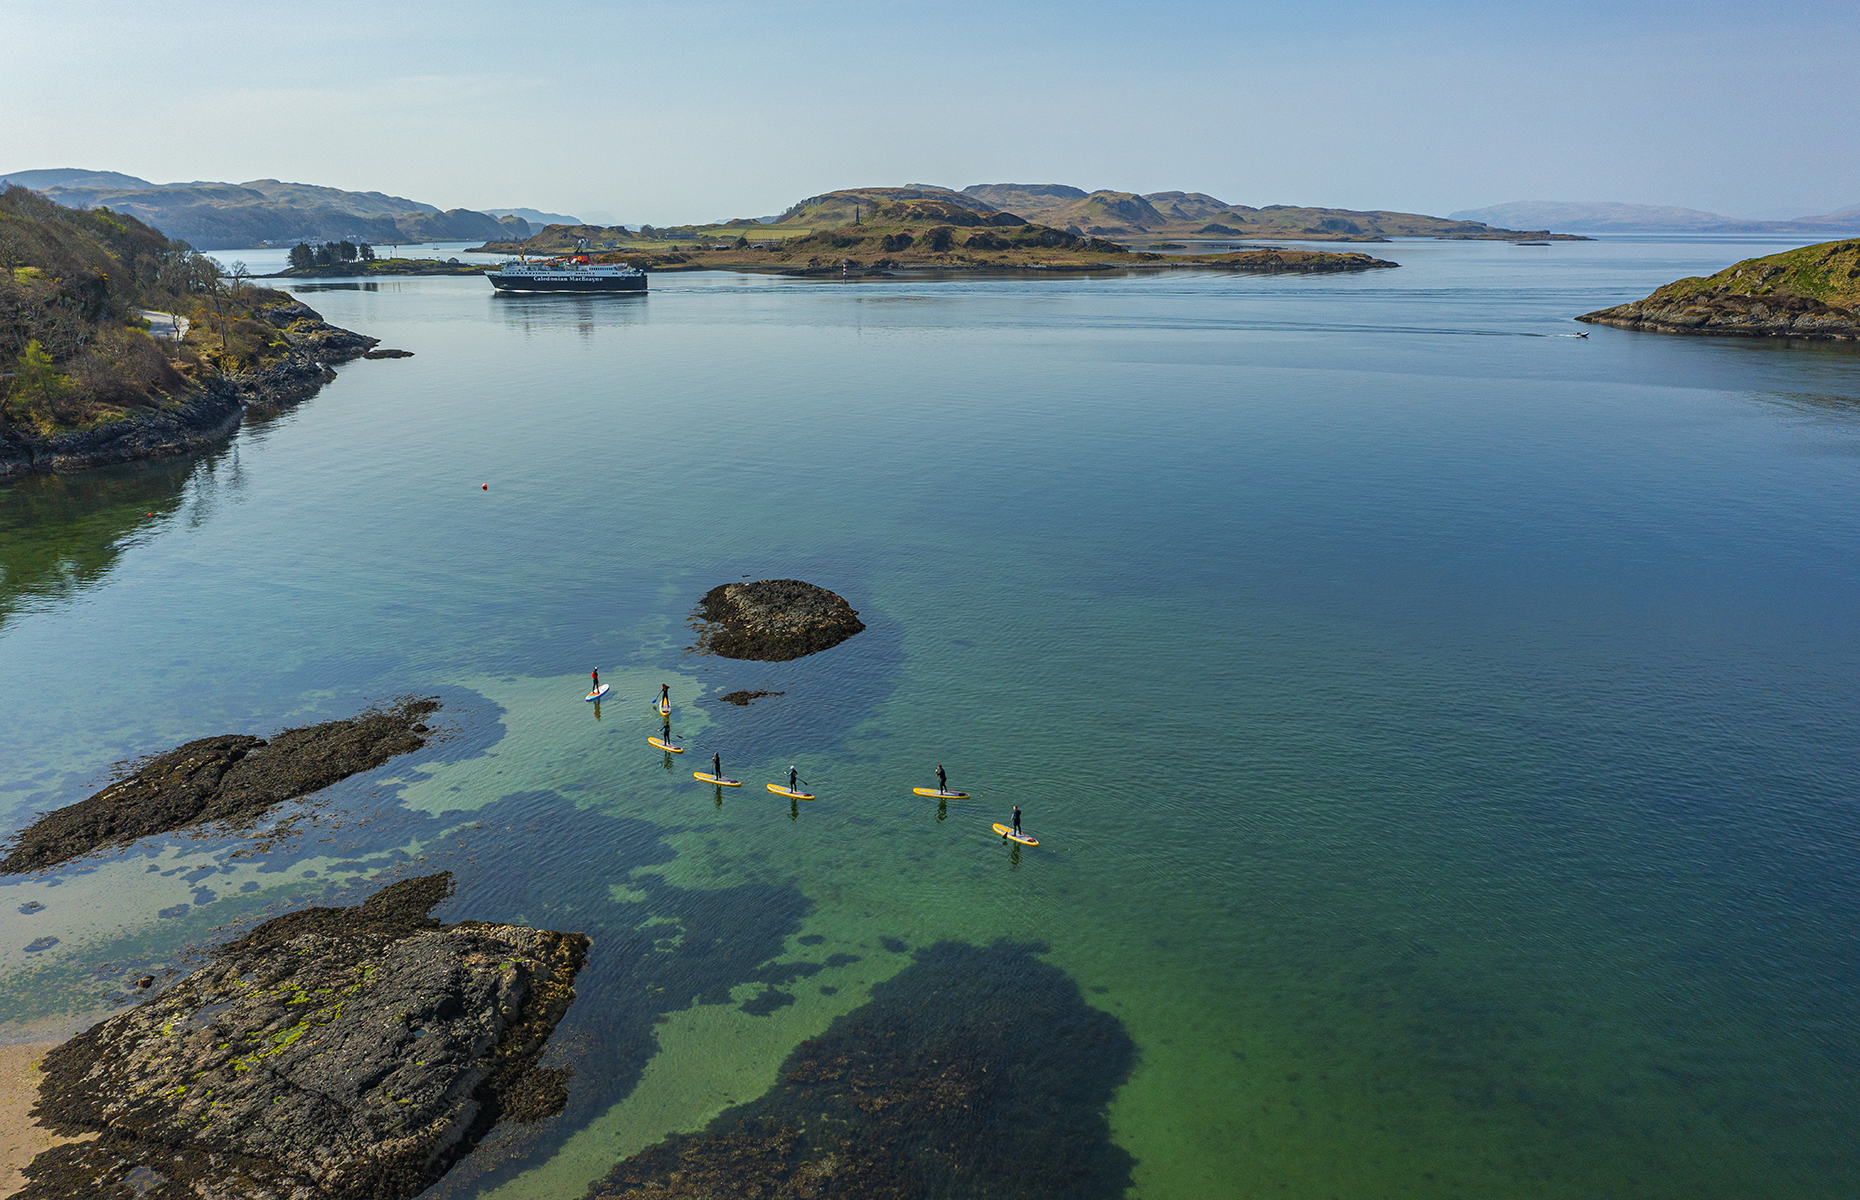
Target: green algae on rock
1812 292
772 620
974 1071
330 1054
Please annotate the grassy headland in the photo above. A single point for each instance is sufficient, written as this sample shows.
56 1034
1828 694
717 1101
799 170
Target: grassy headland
879 229
1810 292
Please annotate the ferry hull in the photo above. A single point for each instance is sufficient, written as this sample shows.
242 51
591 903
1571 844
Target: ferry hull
624 283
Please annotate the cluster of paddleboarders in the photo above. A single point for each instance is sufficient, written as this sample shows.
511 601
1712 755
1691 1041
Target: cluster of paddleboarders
791 789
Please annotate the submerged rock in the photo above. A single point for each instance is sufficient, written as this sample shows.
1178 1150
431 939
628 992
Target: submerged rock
973 1072
744 698
234 778
772 620
330 1054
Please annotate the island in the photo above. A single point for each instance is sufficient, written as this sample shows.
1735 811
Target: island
1813 292
772 620
123 344
338 1053
867 231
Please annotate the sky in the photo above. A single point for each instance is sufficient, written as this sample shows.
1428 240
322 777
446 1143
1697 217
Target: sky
670 113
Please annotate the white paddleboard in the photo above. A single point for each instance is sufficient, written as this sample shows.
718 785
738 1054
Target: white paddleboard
598 692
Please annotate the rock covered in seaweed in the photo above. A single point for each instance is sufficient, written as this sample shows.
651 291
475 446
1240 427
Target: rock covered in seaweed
330 1054
772 620
233 777
975 1071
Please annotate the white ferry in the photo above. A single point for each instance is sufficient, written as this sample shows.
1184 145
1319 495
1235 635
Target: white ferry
569 273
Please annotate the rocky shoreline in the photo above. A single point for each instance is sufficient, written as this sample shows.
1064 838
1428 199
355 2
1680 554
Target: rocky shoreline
330 1053
205 416
1806 293
233 778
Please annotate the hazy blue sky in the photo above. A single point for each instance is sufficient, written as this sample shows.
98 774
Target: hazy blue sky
672 112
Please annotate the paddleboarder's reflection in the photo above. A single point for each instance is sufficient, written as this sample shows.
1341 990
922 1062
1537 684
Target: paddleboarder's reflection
794 809
942 810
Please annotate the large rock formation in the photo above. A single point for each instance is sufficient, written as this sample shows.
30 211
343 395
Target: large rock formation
772 620
1813 292
234 778
330 1054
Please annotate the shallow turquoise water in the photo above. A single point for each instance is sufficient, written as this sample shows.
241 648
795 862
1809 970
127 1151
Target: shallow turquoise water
1441 730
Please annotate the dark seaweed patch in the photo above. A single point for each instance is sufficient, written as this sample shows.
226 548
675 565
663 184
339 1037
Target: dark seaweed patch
975 1071
767 1002
895 945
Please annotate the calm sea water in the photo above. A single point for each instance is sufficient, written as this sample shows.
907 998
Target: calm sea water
1441 730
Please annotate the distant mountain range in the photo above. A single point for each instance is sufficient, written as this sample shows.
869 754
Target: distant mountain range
1610 217
538 218
231 216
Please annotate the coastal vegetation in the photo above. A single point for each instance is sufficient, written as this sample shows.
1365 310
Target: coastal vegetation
1811 292
84 380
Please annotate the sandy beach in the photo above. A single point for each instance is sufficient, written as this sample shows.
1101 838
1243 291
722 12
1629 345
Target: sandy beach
20 1136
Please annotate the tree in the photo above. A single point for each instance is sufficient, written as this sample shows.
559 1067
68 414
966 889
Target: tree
240 273
34 379
324 255
366 251
345 251
302 256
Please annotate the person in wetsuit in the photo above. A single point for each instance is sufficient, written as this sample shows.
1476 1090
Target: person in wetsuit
716 766
1017 820
665 694
596 677
792 776
942 780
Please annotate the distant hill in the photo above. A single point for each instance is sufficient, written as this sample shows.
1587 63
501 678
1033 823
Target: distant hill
229 216
536 217
1197 214
38 181
1588 216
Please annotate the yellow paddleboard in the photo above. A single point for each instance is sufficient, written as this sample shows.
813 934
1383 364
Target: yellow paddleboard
941 795
666 746
779 790
1008 832
716 780
665 710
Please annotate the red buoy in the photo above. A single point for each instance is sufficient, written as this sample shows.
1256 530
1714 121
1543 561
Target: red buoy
487 487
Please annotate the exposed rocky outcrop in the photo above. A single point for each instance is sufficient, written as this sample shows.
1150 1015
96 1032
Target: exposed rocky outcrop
772 620
1813 292
974 1072
330 1054
233 778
